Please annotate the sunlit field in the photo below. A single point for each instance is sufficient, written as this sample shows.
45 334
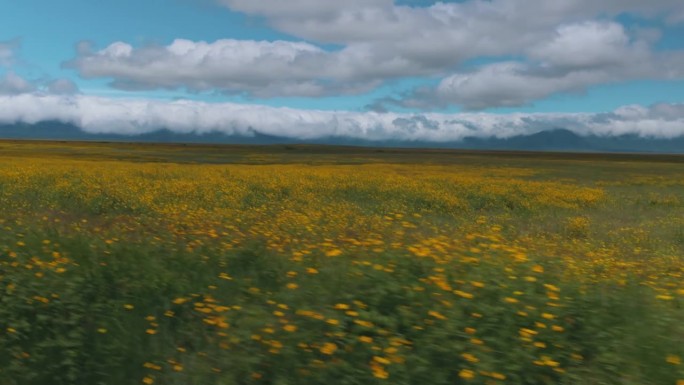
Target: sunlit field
170 264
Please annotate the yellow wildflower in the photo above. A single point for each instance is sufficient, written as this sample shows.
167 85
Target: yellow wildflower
466 374
328 348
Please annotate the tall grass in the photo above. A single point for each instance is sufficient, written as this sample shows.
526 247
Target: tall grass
113 272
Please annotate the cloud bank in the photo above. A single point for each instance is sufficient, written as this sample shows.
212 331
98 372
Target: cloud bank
134 117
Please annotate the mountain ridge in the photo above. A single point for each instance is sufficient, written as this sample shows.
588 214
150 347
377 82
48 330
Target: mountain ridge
554 139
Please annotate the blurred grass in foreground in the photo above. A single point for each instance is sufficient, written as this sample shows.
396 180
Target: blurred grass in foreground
135 264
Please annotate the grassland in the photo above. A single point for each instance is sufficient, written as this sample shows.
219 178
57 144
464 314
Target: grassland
171 264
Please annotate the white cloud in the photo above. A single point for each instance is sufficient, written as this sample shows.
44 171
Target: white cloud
576 57
13 84
564 46
301 9
258 68
589 44
494 21
62 87
131 117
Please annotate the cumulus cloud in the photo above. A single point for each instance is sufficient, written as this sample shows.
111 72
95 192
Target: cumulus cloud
132 117
62 87
301 9
493 20
565 46
13 84
576 57
379 41
257 68
589 44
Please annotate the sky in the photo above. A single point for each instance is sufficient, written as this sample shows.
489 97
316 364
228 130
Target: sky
365 69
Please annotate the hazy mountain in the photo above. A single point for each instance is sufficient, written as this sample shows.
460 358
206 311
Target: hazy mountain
550 140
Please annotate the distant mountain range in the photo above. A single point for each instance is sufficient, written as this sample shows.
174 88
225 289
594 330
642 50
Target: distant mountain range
556 139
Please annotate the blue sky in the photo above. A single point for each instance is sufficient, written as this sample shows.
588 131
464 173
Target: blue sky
499 57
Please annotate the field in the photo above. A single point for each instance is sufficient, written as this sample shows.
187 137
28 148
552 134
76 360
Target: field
171 264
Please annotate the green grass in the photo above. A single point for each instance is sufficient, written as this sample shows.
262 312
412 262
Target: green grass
330 265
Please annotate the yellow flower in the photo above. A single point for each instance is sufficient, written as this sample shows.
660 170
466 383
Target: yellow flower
328 348
674 360
148 380
470 330
290 328
463 294
152 366
437 315
102 330
538 269
551 287
128 306
510 300
466 374
366 339
151 331
379 371
550 362
363 323
470 358
292 286
333 253
498 376
341 306
381 360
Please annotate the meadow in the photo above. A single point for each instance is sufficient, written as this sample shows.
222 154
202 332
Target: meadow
189 264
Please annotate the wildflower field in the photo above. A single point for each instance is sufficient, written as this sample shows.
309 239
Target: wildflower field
171 264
